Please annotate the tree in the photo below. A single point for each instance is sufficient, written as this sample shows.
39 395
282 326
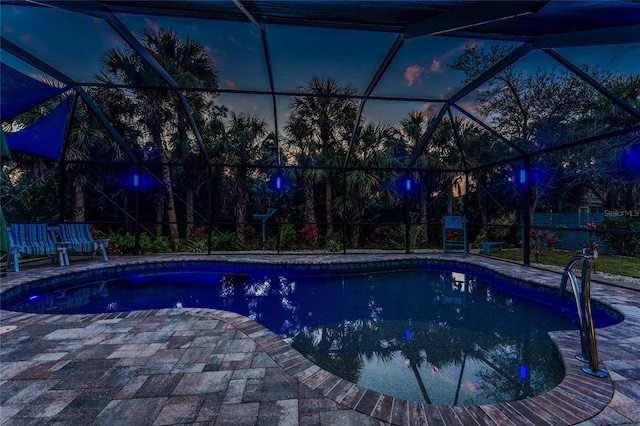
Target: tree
535 110
301 147
413 128
186 61
328 111
245 142
374 147
189 64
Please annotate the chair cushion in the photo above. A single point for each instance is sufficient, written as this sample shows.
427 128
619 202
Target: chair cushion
78 236
33 238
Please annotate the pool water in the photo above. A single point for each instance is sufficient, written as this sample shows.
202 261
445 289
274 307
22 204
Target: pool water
434 336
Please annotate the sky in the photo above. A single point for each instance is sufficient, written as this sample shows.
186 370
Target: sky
75 43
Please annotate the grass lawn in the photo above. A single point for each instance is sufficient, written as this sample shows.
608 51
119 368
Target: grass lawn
617 265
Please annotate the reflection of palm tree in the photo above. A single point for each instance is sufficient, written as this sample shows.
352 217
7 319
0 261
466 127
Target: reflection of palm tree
327 353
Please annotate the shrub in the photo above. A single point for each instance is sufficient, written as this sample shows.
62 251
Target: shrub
250 238
382 235
288 236
397 237
623 244
539 240
125 244
309 233
334 242
225 241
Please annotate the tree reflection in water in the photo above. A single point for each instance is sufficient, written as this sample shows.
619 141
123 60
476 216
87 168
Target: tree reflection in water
439 337
459 324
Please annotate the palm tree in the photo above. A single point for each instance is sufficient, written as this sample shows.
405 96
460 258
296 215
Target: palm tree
87 140
328 111
187 63
413 129
300 147
244 144
374 147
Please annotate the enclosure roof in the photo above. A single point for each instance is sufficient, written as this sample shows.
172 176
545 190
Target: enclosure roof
519 20
65 41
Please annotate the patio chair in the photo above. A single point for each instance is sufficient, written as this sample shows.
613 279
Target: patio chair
452 244
34 239
78 239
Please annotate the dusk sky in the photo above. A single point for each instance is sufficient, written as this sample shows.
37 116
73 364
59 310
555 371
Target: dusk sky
74 44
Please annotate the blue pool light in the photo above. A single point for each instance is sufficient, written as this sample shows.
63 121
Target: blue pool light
407 184
407 334
629 161
34 297
277 182
136 181
523 372
523 176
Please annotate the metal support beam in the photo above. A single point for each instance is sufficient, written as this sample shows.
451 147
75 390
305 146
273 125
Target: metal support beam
393 50
489 129
592 82
472 15
477 82
146 56
267 58
492 71
53 72
100 11
456 137
602 36
427 135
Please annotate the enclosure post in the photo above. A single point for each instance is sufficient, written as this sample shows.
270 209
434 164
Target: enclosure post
209 209
62 163
344 211
407 233
136 186
526 214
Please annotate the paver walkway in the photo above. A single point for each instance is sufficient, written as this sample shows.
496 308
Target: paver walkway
204 366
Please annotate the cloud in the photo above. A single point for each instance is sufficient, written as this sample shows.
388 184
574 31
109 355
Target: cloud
152 24
229 84
26 38
430 109
412 74
436 66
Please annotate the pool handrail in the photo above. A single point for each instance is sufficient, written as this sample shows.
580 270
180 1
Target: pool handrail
582 294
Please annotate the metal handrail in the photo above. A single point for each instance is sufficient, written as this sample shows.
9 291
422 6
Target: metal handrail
582 295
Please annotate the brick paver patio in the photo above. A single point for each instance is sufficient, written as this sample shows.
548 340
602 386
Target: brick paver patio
204 366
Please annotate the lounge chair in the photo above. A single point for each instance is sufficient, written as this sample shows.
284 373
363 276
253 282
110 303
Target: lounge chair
34 239
78 239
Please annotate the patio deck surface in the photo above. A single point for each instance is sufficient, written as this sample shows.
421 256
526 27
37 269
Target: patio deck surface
212 367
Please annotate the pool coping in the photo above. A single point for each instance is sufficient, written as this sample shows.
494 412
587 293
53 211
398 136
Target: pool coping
578 398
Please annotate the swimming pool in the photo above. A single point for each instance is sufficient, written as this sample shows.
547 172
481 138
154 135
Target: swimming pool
437 335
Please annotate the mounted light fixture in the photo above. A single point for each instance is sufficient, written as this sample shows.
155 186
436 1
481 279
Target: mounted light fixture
523 176
407 184
278 182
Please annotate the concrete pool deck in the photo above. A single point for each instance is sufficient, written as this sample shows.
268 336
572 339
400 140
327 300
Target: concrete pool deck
204 366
